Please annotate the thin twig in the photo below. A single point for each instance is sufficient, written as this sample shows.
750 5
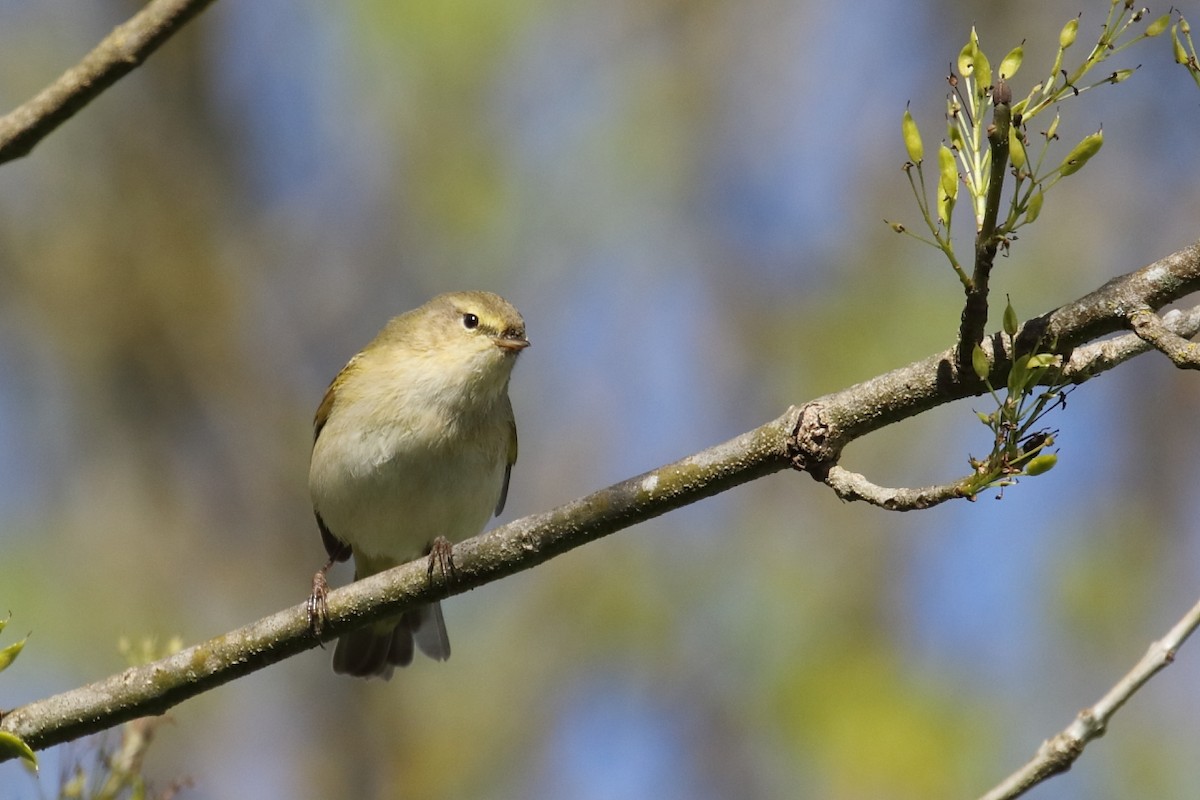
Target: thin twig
119 53
1149 328
1056 755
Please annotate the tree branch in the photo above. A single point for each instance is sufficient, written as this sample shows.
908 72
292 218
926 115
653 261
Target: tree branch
810 437
1084 364
1056 755
118 54
1154 331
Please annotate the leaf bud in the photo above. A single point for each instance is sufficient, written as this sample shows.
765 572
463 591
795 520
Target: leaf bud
1039 465
1012 62
979 363
1066 36
1083 151
912 138
1159 25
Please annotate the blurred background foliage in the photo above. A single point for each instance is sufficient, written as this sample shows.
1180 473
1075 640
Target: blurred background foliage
685 200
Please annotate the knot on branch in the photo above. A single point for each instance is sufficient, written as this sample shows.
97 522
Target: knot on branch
810 446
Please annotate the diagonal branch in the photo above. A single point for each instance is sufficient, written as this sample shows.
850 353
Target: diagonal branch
810 437
1056 755
117 55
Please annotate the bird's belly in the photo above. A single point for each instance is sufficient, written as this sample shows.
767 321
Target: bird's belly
391 508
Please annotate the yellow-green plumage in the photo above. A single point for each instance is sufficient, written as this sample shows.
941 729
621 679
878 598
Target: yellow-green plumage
414 440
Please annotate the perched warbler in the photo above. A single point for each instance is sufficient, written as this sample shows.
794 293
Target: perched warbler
413 446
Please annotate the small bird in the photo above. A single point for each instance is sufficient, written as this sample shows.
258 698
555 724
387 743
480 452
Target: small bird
413 446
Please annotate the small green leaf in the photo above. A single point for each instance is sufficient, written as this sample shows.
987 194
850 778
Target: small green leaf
966 56
1039 465
979 362
1016 148
1035 207
973 63
1010 319
1042 360
1066 36
9 654
11 746
947 184
912 138
1181 56
1082 152
1159 25
1012 62
948 170
1018 377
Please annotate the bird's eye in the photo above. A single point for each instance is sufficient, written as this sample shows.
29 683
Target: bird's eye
470 321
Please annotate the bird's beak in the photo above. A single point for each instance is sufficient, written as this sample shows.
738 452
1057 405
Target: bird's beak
513 343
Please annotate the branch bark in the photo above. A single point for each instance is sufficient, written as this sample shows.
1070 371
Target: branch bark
117 55
1056 755
809 437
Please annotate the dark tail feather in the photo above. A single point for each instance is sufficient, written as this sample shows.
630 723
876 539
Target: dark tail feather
375 650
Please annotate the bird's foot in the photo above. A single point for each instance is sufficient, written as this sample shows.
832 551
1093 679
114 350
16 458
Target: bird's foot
441 556
316 606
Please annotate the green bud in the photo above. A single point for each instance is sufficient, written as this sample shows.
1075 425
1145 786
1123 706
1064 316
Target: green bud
1120 75
947 184
1159 25
1083 151
1052 131
1184 27
949 171
1010 319
972 62
956 138
9 654
1016 148
945 207
1066 36
1035 207
1041 360
1181 56
986 419
1039 465
979 362
1018 377
896 226
1012 62
966 57
912 138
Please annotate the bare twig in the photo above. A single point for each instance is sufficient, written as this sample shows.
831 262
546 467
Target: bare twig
119 53
1092 359
851 486
1149 328
1056 755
